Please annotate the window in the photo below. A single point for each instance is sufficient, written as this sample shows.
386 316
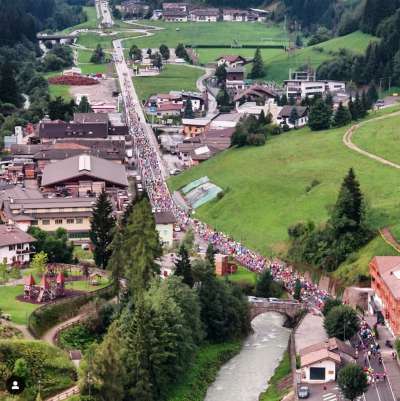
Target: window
70 221
79 221
45 222
20 246
58 221
11 247
34 223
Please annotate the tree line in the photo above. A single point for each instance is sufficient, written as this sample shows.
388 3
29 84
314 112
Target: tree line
160 323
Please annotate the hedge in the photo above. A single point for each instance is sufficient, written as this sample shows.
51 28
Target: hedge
47 316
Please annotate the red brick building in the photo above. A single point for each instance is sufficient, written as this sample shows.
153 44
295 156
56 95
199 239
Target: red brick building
385 281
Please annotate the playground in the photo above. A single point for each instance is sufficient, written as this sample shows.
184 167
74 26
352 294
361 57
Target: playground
21 297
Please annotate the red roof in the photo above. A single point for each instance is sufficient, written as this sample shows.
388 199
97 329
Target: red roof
44 283
60 278
389 271
29 280
230 58
169 107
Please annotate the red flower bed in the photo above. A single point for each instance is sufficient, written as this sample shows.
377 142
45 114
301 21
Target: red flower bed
72 80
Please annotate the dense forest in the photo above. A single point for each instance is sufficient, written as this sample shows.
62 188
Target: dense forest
381 61
21 68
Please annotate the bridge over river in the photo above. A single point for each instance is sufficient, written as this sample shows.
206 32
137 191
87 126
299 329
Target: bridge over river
288 308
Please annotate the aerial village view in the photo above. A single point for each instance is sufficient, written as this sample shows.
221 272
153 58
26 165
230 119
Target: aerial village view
200 200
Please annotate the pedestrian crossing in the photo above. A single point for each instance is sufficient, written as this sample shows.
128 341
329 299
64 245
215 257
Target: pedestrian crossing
337 395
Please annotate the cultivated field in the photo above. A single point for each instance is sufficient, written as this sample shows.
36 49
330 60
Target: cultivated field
204 33
265 187
172 77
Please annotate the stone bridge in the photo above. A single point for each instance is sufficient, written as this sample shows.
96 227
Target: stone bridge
289 308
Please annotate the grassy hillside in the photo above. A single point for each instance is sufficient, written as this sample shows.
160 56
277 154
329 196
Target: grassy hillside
265 187
226 33
172 77
91 22
278 67
381 138
356 265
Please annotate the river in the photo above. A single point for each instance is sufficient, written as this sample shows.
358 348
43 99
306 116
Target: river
245 376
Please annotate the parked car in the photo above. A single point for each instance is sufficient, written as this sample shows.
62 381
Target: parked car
303 392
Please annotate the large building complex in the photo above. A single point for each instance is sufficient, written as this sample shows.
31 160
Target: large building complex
385 281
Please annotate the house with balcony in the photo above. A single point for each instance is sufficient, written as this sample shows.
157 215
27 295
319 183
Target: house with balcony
15 245
204 15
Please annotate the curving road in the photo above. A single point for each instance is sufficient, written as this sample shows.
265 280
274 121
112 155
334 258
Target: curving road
347 140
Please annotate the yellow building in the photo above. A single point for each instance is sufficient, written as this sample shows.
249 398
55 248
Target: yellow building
72 214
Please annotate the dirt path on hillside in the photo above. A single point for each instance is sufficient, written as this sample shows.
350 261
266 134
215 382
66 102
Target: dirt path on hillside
388 237
348 136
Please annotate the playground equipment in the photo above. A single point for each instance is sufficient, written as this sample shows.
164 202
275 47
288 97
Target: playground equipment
51 287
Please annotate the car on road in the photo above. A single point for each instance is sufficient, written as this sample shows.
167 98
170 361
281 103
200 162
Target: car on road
303 392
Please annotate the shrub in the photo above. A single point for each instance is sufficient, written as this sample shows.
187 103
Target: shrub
49 364
49 315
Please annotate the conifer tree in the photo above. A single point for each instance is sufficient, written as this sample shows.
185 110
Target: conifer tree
84 105
342 116
220 73
98 56
294 116
183 267
358 109
210 255
102 230
8 86
351 108
320 116
258 69
372 93
365 103
188 112
348 213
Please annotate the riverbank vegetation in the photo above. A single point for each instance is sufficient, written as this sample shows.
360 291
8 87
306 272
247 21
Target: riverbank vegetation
162 328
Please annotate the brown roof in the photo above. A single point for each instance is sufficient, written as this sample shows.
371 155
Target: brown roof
205 12
85 118
389 269
174 12
164 218
332 344
84 166
256 90
62 129
231 58
169 107
318 356
11 235
287 110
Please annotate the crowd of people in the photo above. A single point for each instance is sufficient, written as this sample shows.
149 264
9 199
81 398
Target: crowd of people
150 167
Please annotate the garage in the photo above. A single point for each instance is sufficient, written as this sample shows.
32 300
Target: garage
317 373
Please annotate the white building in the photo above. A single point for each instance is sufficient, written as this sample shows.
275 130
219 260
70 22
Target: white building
235 15
15 245
319 366
301 88
204 15
165 226
283 117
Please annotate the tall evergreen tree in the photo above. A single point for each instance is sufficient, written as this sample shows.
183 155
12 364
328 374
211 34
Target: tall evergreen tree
349 212
294 116
358 109
183 267
372 93
140 248
84 105
366 104
8 86
102 230
188 111
258 69
220 73
320 116
210 254
342 116
98 56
